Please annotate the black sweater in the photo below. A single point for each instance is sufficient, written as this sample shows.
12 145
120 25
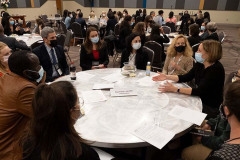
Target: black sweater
209 83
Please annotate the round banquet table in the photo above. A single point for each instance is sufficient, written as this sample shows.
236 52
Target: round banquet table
110 123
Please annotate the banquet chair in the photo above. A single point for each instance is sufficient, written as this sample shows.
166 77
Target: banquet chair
36 44
150 53
195 49
61 39
166 29
77 32
157 59
221 37
68 43
172 26
63 27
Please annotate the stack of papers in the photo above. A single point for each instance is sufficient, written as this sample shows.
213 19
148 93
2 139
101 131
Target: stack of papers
122 92
188 115
103 86
93 96
113 77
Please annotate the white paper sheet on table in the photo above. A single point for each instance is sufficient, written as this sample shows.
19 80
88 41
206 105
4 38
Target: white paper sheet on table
189 115
113 77
123 92
103 86
154 135
82 76
93 96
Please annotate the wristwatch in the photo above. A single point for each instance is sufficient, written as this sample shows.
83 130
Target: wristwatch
178 90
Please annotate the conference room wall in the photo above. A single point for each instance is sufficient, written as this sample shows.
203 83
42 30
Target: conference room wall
48 8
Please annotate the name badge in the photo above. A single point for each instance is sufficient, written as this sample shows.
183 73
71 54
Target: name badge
59 71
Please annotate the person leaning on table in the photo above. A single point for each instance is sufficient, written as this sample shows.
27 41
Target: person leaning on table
209 78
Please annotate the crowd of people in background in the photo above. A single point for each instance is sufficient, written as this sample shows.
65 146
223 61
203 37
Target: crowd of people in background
25 97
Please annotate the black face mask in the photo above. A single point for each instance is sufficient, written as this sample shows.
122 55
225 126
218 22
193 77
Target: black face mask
53 43
180 49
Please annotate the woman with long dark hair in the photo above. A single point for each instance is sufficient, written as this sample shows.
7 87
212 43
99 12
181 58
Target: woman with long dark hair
133 53
52 135
93 53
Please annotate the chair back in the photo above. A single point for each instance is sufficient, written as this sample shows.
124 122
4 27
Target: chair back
166 29
36 44
28 24
221 36
172 26
61 39
117 29
68 38
150 54
157 48
63 27
77 30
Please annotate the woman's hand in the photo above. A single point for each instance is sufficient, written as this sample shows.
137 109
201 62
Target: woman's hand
100 65
160 77
169 87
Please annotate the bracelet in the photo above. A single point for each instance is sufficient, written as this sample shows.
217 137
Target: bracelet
178 90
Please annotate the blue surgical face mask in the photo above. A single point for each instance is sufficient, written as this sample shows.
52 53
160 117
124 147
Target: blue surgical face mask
95 39
198 57
203 28
41 73
132 23
12 22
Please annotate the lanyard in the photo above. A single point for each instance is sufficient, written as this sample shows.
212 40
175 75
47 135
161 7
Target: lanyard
231 139
177 63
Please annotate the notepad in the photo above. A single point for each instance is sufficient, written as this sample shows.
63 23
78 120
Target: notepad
113 77
188 115
82 76
154 135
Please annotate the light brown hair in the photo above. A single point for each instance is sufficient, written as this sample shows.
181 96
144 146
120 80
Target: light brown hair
139 28
171 49
2 67
213 49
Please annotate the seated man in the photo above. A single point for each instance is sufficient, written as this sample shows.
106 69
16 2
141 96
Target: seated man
17 90
51 56
12 42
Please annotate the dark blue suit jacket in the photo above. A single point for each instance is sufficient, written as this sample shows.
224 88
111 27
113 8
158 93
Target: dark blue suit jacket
46 63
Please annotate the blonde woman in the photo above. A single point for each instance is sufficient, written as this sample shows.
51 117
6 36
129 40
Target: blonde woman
93 20
179 59
5 52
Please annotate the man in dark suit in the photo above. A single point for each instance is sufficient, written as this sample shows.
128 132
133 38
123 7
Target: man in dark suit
12 42
51 55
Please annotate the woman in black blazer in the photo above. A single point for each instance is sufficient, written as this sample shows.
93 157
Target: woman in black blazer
134 53
93 54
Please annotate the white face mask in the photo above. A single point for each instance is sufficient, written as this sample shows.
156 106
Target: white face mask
124 15
136 46
104 15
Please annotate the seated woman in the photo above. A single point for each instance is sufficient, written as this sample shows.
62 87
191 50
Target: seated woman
68 20
199 19
148 23
194 37
124 30
92 20
52 134
39 25
103 23
171 18
93 52
140 29
209 78
133 53
155 36
179 59
211 32
231 112
5 52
